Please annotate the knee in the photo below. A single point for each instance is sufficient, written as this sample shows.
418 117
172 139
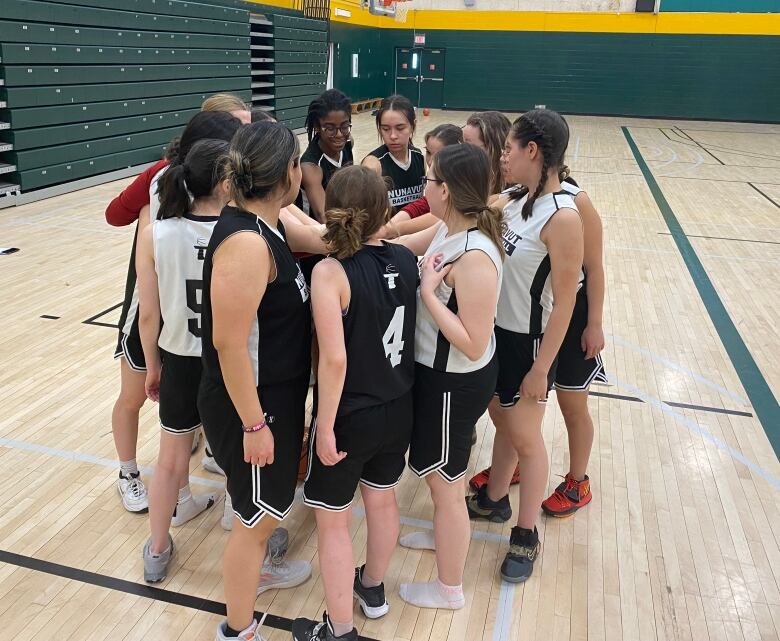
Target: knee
574 411
527 445
444 493
131 400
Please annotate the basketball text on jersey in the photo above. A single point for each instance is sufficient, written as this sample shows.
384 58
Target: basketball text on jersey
404 195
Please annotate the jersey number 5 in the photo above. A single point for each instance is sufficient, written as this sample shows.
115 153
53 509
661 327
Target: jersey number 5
194 298
392 339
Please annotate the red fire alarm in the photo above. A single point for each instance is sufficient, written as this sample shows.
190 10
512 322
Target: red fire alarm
404 65
432 67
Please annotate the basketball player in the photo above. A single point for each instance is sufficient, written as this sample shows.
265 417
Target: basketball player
256 336
170 265
398 159
124 419
416 216
229 103
488 130
579 364
544 249
329 127
363 302
456 367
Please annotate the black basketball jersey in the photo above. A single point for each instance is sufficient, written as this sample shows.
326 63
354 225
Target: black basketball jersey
405 182
316 156
280 341
379 326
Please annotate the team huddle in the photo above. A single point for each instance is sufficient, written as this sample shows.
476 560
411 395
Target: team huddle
415 291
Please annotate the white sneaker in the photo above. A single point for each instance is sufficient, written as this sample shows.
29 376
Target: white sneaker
210 464
286 574
190 508
196 440
133 492
249 634
227 515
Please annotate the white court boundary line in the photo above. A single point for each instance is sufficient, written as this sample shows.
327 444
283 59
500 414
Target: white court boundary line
680 368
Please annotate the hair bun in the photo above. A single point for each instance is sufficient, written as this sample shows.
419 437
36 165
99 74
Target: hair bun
244 175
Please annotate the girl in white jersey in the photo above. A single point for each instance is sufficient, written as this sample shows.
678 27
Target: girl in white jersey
456 366
544 249
170 265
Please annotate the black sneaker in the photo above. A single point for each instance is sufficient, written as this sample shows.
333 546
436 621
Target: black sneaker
372 600
481 507
524 548
308 630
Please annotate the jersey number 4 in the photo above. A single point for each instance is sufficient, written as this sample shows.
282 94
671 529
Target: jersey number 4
194 298
393 338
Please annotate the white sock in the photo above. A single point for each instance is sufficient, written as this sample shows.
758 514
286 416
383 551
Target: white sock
368 582
433 595
185 493
418 540
126 468
189 508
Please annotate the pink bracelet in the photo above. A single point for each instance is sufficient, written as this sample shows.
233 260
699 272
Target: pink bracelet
255 428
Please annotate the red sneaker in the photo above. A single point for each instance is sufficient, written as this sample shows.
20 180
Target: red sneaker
478 480
568 497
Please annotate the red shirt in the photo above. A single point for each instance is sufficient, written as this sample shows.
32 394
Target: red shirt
417 208
124 209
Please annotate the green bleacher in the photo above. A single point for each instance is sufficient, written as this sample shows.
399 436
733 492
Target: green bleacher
93 86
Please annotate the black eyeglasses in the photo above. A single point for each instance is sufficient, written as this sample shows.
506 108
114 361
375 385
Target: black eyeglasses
330 130
425 180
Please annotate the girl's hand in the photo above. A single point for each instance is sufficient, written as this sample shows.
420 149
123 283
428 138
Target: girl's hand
259 447
326 447
152 383
534 385
431 275
592 341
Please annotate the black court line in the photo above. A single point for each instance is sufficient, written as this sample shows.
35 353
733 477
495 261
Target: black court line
137 589
739 240
774 202
687 406
730 150
93 319
698 144
50 317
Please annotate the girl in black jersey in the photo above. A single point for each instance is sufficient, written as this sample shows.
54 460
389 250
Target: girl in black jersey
256 337
544 247
456 368
398 159
329 127
363 302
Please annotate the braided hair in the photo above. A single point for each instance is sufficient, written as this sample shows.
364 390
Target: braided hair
550 132
322 105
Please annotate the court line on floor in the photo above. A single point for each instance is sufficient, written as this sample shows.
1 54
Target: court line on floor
685 406
764 195
676 366
739 240
503 622
760 394
136 589
697 429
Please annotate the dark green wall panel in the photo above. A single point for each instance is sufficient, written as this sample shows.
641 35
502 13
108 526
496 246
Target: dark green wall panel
722 6
652 75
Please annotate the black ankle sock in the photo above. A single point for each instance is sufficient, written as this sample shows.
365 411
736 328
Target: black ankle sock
230 632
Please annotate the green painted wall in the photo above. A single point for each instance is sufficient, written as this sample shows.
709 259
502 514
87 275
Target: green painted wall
674 76
722 6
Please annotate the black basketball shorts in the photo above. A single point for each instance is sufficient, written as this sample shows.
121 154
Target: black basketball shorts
257 491
516 355
447 406
375 439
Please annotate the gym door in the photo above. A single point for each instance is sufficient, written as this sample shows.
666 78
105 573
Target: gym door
419 75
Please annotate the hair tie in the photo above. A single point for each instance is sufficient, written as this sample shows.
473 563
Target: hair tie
243 175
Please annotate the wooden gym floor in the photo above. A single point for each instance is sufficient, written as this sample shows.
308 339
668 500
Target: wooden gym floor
681 541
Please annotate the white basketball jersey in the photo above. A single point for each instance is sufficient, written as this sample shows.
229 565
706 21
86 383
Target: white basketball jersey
526 298
154 197
179 250
574 191
431 348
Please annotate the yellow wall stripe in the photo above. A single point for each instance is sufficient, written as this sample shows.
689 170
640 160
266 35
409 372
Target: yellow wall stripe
584 22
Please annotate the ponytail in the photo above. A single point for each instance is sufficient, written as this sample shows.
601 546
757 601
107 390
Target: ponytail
490 221
345 231
172 191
